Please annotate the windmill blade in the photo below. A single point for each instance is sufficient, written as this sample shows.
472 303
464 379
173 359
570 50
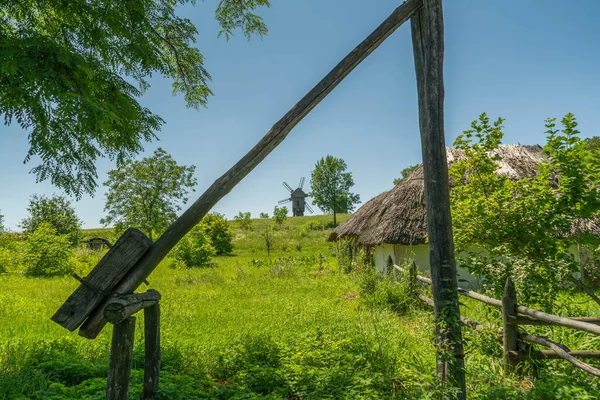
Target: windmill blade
288 187
284 201
301 183
309 208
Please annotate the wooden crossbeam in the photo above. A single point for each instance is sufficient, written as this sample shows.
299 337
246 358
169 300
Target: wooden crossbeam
192 216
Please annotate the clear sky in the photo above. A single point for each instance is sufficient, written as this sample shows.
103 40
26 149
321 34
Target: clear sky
524 60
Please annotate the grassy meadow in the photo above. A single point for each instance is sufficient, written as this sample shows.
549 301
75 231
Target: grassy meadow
285 325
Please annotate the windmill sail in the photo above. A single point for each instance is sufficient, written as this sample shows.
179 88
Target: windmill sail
301 183
284 201
288 187
309 208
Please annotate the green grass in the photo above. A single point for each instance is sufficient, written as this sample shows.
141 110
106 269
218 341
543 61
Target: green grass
288 325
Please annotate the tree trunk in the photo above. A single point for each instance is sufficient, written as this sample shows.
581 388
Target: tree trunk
427 28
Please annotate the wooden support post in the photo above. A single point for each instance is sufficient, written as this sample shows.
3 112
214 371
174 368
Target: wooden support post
427 28
151 350
121 357
412 273
510 332
159 250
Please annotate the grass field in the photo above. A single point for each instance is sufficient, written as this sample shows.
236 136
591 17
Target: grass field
288 325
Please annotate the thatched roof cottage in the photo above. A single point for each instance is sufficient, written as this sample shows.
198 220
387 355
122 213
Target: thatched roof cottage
393 224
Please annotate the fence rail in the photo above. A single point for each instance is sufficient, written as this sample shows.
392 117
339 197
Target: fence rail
515 350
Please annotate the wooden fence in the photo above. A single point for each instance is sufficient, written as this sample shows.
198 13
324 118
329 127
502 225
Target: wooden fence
515 343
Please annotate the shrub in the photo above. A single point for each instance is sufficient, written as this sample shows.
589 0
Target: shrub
243 219
264 215
58 212
313 226
280 215
8 260
46 253
195 249
217 228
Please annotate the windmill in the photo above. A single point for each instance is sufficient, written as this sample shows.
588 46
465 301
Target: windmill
298 199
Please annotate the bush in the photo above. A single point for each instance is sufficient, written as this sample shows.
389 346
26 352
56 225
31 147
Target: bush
264 215
280 215
217 228
195 249
8 260
313 226
58 212
46 253
243 219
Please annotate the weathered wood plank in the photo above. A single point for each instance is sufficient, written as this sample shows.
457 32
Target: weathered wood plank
510 334
192 216
151 350
427 29
465 321
561 352
551 355
121 357
121 257
526 320
559 321
119 308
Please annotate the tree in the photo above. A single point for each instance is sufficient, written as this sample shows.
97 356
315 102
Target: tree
1 223
526 227
147 194
264 215
405 173
330 187
243 219
58 212
280 215
71 73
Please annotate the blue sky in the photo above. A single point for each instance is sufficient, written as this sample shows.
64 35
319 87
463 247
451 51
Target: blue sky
523 60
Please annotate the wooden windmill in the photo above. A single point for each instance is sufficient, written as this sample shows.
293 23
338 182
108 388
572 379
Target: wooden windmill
298 199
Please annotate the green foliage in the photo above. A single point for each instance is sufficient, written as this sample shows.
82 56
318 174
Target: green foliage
330 186
313 226
147 194
195 249
47 253
525 226
71 74
58 212
264 215
405 173
280 215
219 233
1 223
244 220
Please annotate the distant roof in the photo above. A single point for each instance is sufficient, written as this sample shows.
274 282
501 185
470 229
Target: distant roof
398 216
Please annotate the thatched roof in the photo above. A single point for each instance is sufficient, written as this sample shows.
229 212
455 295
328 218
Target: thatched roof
398 215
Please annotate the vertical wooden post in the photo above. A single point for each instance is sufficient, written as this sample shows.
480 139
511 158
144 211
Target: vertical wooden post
427 28
412 273
510 332
151 350
121 357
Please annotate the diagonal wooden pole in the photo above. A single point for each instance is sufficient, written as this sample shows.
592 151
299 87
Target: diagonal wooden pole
159 250
427 28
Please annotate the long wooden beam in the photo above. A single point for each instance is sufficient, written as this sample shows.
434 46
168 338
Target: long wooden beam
94 324
560 352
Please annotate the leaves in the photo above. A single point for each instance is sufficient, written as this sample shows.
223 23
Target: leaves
330 186
71 74
523 228
147 194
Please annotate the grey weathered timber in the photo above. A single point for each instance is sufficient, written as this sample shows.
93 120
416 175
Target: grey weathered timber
559 321
551 355
119 308
526 320
560 351
510 334
427 28
264 147
121 257
121 357
151 350
585 288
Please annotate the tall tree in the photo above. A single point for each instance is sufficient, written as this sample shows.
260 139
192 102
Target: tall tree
147 194
71 73
330 186
56 211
